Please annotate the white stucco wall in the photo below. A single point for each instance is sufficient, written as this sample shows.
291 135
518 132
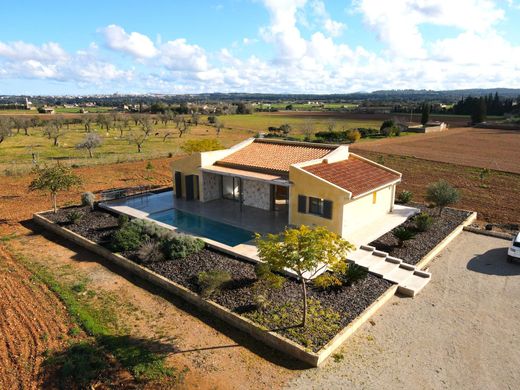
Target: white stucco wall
210 187
362 211
256 194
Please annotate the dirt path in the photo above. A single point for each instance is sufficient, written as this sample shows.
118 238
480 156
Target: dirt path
481 148
216 356
460 332
32 321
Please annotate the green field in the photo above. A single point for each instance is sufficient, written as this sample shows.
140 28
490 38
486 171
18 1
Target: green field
17 151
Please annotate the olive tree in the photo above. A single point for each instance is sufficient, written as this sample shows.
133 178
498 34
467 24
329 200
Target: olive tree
442 194
54 130
53 180
139 136
5 129
90 142
305 251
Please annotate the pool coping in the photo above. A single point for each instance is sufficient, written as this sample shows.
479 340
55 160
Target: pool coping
255 330
244 251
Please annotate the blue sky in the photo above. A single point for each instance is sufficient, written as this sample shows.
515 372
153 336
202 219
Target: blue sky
295 46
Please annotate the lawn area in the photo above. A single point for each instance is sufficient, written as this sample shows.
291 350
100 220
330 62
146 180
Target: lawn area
261 122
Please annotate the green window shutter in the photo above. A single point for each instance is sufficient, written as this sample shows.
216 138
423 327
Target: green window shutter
327 209
302 204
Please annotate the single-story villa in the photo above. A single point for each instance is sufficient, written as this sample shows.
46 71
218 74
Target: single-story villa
305 183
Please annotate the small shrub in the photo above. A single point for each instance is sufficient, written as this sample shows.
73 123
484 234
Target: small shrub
353 135
264 274
122 220
261 301
127 238
74 217
442 194
327 281
354 274
150 251
178 246
423 222
380 159
88 199
170 154
149 166
404 197
403 234
212 281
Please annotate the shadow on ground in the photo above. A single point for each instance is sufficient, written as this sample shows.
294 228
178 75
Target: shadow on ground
241 339
494 262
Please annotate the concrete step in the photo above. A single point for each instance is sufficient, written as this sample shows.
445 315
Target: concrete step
400 274
415 283
385 267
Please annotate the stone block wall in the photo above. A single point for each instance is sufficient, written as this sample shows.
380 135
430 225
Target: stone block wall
257 194
210 187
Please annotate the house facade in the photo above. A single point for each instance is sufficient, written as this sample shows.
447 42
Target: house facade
306 183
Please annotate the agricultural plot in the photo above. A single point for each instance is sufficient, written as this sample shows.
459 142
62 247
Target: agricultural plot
482 148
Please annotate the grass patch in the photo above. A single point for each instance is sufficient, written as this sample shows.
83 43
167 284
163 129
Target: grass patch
97 317
322 323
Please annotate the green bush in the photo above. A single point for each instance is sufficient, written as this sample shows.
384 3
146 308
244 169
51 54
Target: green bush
127 238
150 251
212 281
74 216
403 234
178 246
261 301
122 220
355 273
327 281
88 199
442 194
264 274
423 222
404 197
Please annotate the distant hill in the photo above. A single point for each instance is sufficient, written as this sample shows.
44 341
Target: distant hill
394 96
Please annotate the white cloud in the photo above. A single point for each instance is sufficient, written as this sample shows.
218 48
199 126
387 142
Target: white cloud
179 55
334 28
25 51
136 44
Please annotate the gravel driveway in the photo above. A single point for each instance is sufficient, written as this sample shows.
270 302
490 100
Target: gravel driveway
462 331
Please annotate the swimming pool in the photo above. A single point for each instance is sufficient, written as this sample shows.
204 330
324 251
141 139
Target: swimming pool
200 226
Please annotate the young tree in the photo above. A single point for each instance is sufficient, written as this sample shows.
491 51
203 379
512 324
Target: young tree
90 142
308 129
219 125
442 194
304 250
53 180
425 115
185 127
86 121
285 129
195 118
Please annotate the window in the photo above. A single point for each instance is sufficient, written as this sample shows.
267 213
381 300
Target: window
315 206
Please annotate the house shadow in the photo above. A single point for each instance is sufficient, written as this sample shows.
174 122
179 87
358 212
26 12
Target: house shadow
239 338
494 262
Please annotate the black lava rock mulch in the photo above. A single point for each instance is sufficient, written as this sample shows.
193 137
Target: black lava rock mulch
96 225
415 249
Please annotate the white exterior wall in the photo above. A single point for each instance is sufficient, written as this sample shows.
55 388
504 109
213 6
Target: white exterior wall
256 194
362 211
210 189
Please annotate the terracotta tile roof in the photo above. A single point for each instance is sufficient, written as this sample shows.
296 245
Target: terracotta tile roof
274 157
355 175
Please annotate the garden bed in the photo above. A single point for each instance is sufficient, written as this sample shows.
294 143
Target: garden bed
329 310
422 243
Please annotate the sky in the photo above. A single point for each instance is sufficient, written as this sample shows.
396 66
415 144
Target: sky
258 46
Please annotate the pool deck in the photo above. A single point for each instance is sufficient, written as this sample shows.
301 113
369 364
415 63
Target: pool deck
244 217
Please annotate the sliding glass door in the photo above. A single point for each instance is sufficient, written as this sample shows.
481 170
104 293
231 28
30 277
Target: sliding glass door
231 187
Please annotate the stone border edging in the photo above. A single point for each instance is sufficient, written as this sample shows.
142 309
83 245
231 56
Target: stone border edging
490 233
421 265
270 338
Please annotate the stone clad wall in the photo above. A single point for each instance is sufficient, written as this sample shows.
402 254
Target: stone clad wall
210 187
257 194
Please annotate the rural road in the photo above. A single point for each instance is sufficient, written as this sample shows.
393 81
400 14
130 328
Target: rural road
461 332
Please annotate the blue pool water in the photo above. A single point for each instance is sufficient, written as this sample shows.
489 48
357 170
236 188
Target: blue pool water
200 226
